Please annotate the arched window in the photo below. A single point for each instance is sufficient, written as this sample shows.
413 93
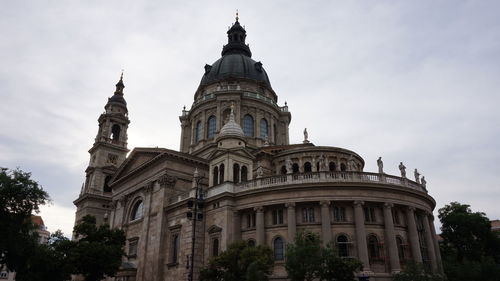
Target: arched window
115 132
236 173
106 187
278 249
343 246
263 128
332 167
215 247
251 243
211 125
295 168
197 132
221 173
244 173
343 167
175 248
216 175
373 247
283 170
137 211
401 248
248 125
307 167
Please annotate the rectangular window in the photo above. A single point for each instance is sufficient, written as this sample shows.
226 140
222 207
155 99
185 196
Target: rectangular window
174 248
4 275
395 217
370 214
339 214
308 214
251 218
278 216
132 247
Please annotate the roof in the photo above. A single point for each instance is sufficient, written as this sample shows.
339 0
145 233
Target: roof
37 220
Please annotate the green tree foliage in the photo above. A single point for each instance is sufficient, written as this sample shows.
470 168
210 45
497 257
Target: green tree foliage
98 250
20 196
306 260
240 262
48 262
335 268
470 250
304 257
414 271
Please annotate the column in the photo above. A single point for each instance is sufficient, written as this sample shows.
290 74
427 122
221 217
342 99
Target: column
326 230
259 218
359 220
236 226
390 237
413 235
291 221
429 242
436 246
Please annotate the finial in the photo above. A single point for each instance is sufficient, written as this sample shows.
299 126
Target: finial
121 76
237 18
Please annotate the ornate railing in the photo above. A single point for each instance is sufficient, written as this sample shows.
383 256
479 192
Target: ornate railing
328 177
305 178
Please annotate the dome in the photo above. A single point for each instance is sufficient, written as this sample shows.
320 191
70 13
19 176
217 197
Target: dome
231 128
117 99
235 66
236 61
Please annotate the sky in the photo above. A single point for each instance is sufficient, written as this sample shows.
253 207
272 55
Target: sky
410 81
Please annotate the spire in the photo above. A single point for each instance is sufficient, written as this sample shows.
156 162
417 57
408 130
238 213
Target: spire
120 85
236 40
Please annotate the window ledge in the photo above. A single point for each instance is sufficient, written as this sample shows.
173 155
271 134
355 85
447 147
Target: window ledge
172 264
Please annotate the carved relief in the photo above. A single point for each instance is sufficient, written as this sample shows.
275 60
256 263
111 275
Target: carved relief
167 181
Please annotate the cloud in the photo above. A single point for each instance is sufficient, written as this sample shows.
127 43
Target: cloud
409 81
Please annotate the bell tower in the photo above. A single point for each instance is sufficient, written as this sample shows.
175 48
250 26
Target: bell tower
106 155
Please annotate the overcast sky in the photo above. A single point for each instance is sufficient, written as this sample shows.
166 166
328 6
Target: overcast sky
411 81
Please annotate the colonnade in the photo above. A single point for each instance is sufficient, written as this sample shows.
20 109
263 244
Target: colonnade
432 246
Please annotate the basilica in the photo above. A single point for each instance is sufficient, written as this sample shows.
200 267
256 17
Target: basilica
237 177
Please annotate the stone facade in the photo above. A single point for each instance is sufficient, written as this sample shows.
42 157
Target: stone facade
254 185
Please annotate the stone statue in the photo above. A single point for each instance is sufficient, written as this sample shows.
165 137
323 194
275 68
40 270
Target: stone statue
322 163
289 165
306 135
424 182
417 176
402 168
380 165
351 165
260 171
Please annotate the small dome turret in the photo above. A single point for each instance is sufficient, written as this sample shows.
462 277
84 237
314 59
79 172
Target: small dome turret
231 128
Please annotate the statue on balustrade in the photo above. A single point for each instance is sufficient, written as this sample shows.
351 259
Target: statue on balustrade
417 176
322 163
289 164
260 170
402 168
424 183
380 165
306 135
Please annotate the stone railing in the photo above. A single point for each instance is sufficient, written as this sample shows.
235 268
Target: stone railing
304 178
327 177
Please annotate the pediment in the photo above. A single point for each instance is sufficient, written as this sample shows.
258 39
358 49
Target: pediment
136 159
238 152
214 229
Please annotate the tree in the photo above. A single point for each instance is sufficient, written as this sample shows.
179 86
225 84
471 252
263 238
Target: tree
304 257
97 252
240 262
336 268
307 260
470 250
48 262
414 271
20 196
